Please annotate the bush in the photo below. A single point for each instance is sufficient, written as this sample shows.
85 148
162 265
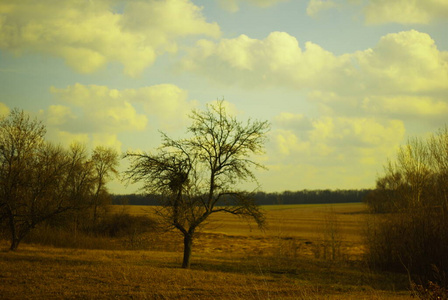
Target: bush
430 291
121 225
415 243
113 231
410 232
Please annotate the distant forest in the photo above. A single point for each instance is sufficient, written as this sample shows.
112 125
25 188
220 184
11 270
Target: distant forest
287 197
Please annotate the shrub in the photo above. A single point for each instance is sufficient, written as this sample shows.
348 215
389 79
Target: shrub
113 231
121 225
410 232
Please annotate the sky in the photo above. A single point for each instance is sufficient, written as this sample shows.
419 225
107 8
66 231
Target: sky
343 83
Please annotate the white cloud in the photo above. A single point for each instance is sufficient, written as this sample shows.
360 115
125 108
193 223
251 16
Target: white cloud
97 115
316 6
276 60
404 74
405 61
165 102
334 152
378 12
103 109
406 106
90 34
331 137
234 5
405 11
58 115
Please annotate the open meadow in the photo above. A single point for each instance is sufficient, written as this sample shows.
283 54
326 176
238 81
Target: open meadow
306 252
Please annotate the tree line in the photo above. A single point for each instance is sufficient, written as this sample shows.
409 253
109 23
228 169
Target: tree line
325 196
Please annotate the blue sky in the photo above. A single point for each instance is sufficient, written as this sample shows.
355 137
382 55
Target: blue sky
343 82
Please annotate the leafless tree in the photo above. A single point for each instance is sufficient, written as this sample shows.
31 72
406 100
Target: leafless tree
37 179
198 176
105 164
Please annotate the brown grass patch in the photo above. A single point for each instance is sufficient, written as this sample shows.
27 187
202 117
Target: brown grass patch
37 272
230 261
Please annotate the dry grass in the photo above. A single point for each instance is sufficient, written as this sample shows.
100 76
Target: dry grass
229 262
300 228
37 272
292 220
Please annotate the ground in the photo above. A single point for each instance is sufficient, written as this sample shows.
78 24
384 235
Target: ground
231 260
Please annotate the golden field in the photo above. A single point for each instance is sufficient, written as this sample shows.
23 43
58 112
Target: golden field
231 260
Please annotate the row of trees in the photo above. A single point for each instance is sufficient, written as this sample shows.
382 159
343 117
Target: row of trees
412 196
263 198
39 180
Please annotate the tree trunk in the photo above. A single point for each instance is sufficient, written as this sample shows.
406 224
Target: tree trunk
95 213
14 244
12 228
188 243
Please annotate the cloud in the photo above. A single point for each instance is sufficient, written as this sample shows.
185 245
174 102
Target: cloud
276 60
234 5
406 106
316 6
329 152
57 115
405 11
166 103
377 12
404 74
90 34
293 121
331 137
404 61
102 109
98 114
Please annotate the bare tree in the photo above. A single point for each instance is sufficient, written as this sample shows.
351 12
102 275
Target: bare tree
197 176
20 139
105 163
38 180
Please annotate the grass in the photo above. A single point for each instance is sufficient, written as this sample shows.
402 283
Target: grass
37 272
229 262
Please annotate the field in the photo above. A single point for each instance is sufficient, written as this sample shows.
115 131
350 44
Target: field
307 252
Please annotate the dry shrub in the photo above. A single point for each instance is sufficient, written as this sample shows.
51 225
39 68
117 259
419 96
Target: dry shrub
416 243
122 225
331 238
431 291
113 231
411 198
64 238
286 248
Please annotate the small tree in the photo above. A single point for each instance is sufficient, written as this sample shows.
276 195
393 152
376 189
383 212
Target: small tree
197 176
105 163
